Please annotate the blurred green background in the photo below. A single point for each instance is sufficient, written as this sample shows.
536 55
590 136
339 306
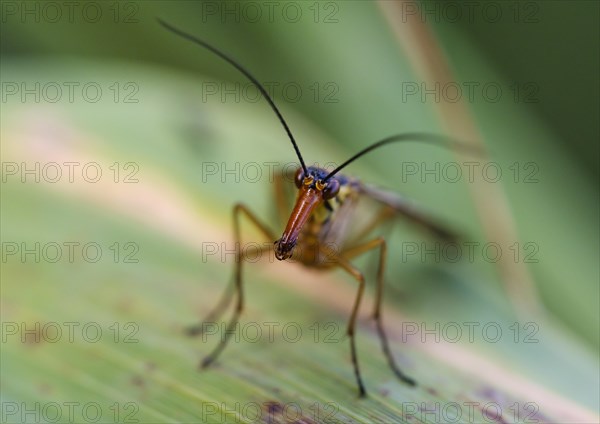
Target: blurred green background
154 114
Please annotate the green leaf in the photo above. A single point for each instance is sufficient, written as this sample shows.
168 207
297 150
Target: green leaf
88 338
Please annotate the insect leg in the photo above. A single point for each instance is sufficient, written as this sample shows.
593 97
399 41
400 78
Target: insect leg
214 314
282 203
237 211
358 250
352 270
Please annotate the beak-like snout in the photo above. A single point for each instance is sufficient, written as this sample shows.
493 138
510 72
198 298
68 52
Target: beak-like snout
308 199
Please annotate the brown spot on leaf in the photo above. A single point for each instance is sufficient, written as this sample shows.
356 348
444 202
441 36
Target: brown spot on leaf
45 389
491 414
33 335
138 381
278 413
432 391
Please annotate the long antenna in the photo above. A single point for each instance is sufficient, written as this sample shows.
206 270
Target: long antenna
248 75
434 138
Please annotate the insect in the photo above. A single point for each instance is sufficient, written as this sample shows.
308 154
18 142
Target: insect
316 232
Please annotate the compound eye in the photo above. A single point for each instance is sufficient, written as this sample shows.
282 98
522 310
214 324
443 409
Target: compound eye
332 189
299 177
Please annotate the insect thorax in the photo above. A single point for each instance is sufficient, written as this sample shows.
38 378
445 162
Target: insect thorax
324 229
